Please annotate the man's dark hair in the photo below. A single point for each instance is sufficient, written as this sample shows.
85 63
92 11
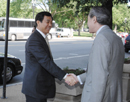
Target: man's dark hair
102 14
34 26
40 16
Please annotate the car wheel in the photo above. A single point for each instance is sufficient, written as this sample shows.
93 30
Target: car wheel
9 74
49 36
126 50
13 37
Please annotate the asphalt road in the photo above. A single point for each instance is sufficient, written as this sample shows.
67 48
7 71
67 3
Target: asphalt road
72 53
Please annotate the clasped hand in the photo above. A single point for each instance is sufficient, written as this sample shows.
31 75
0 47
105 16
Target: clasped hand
71 79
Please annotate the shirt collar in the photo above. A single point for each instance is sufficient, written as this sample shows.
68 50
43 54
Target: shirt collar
41 33
100 29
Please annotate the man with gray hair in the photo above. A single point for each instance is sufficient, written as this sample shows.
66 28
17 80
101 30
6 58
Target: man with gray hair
103 78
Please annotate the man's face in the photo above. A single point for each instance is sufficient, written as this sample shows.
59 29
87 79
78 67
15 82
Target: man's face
45 25
90 24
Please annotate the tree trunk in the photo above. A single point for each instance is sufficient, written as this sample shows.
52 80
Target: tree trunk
115 29
79 32
82 26
109 6
49 6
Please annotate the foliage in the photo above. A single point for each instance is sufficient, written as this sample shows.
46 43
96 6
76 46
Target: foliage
3 8
22 9
127 60
81 4
120 12
65 15
77 71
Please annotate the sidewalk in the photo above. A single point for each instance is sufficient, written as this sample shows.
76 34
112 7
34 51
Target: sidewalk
13 94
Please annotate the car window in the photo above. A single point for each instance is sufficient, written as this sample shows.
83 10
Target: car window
59 29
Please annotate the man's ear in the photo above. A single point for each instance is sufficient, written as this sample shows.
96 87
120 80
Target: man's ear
37 22
95 19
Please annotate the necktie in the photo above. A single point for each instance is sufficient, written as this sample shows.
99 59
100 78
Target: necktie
46 39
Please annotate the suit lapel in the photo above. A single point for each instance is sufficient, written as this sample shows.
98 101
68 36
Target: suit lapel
44 43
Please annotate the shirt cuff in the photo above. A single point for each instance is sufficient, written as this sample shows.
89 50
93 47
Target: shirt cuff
65 76
79 80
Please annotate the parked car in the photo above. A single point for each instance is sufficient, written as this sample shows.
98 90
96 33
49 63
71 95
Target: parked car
60 32
13 67
122 34
127 43
86 30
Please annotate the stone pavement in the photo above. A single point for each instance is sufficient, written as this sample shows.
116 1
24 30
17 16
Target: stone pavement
13 94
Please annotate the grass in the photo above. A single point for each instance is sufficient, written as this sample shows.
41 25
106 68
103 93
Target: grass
82 34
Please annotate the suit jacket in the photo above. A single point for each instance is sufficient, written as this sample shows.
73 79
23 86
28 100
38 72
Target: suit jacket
40 69
103 79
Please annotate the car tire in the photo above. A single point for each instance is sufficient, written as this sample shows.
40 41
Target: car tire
9 72
13 37
126 50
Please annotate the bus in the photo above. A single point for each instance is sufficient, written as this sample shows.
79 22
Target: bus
20 28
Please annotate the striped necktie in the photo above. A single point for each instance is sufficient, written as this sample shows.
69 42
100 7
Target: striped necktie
46 39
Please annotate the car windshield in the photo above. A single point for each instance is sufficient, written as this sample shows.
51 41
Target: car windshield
59 30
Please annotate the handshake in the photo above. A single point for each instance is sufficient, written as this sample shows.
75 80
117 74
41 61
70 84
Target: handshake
71 79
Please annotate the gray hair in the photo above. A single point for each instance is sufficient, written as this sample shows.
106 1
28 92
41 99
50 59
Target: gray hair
102 14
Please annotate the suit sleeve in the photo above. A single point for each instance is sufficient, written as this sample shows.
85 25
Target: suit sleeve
82 77
100 72
38 51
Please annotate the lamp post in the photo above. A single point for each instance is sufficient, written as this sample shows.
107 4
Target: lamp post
125 23
33 6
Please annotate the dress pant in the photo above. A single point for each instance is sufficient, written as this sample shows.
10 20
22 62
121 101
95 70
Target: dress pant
31 99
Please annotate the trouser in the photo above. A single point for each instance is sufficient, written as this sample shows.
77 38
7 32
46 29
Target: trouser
31 99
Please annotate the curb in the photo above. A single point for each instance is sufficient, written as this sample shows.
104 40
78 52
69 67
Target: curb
12 84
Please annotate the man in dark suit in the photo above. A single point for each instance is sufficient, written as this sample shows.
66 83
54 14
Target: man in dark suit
40 69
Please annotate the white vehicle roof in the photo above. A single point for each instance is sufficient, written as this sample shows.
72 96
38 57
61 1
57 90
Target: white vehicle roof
20 19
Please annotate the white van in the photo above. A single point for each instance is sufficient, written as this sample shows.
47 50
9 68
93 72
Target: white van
61 32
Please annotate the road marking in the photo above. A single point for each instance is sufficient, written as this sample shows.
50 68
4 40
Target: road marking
73 54
62 58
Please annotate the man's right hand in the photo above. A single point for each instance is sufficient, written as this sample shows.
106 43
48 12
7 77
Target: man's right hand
71 79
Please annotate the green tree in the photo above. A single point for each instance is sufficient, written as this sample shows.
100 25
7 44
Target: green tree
3 8
70 19
83 5
21 9
121 17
